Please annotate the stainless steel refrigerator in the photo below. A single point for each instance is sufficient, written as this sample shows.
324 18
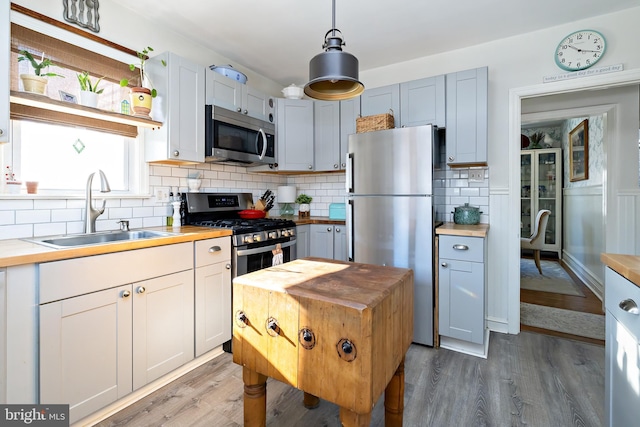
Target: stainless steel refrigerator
389 181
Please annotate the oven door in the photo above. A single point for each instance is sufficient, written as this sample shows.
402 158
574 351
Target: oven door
254 257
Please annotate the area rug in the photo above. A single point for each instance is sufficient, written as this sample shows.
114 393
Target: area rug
553 278
561 320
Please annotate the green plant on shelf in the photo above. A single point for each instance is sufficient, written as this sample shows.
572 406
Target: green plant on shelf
85 83
38 66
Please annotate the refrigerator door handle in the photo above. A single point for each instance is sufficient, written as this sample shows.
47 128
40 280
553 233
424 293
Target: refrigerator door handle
349 173
350 236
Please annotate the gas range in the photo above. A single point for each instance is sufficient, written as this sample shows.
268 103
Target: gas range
220 210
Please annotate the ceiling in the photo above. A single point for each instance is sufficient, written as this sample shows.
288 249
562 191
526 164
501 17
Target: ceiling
276 39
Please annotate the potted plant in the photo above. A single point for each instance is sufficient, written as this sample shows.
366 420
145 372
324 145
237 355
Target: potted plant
37 82
303 200
140 95
89 91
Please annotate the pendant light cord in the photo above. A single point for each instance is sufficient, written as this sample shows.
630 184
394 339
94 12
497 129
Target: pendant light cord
333 17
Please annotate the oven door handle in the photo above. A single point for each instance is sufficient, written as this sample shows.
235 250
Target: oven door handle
245 252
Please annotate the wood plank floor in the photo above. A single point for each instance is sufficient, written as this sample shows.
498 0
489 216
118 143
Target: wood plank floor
528 379
590 303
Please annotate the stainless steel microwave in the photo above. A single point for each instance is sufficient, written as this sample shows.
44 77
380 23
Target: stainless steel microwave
235 137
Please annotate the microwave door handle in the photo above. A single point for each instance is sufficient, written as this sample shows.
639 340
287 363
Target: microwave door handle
264 143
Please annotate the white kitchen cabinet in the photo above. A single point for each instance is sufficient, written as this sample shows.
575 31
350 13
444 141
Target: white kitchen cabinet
622 350
461 293
303 240
349 112
541 181
466 117
180 107
235 96
294 135
5 51
212 294
326 128
380 100
328 241
102 338
422 102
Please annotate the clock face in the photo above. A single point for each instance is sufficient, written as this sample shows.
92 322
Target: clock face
580 50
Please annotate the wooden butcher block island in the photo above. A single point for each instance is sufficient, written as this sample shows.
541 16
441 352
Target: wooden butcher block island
336 330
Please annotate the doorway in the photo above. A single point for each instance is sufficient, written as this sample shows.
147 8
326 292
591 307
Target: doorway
613 156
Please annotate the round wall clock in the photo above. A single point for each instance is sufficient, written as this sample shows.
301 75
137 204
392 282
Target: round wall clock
580 50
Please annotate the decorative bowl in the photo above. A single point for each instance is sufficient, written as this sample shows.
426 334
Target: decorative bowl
293 92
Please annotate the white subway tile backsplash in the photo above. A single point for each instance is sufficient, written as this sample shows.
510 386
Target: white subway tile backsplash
7 217
16 231
49 204
49 229
33 216
65 215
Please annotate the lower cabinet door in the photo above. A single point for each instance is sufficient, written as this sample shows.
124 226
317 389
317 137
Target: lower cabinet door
163 327
213 306
461 300
85 350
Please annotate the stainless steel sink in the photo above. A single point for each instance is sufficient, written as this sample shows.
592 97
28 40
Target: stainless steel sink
68 241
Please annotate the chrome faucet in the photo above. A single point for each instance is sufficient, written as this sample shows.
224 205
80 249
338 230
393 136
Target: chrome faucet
90 214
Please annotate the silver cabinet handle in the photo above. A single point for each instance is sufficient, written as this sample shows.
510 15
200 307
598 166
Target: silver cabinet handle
335 166
337 230
329 229
141 290
444 264
451 158
126 294
213 249
629 306
228 266
310 167
461 247
176 153
1 132
239 110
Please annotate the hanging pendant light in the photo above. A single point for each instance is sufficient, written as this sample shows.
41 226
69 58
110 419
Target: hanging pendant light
333 74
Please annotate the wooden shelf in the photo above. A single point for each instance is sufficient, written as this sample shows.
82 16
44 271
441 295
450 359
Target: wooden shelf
46 103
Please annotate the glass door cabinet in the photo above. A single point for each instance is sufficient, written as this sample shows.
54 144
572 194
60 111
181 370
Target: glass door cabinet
541 188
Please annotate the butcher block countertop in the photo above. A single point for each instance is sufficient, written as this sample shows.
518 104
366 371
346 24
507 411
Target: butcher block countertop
17 251
453 229
627 266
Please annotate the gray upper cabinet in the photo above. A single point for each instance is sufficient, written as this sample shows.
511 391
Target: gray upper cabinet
466 121
380 100
326 130
422 102
349 112
294 134
180 107
233 95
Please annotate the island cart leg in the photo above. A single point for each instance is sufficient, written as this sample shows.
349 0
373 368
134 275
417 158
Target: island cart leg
394 398
310 401
349 418
255 398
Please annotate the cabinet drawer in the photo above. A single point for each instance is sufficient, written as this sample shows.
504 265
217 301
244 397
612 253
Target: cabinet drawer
618 289
212 251
461 248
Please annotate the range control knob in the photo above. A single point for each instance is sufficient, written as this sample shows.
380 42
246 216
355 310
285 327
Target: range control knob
346 350
248 239
257 238
306 338
273 234
285 233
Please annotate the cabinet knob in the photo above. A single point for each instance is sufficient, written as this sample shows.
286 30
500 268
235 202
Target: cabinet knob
228 266
310 167
141 290
1 132
344 165
337 230
451 158
239 110
176 153
629 306
126 294
245 112
213 249
335 166
444 264
329 229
